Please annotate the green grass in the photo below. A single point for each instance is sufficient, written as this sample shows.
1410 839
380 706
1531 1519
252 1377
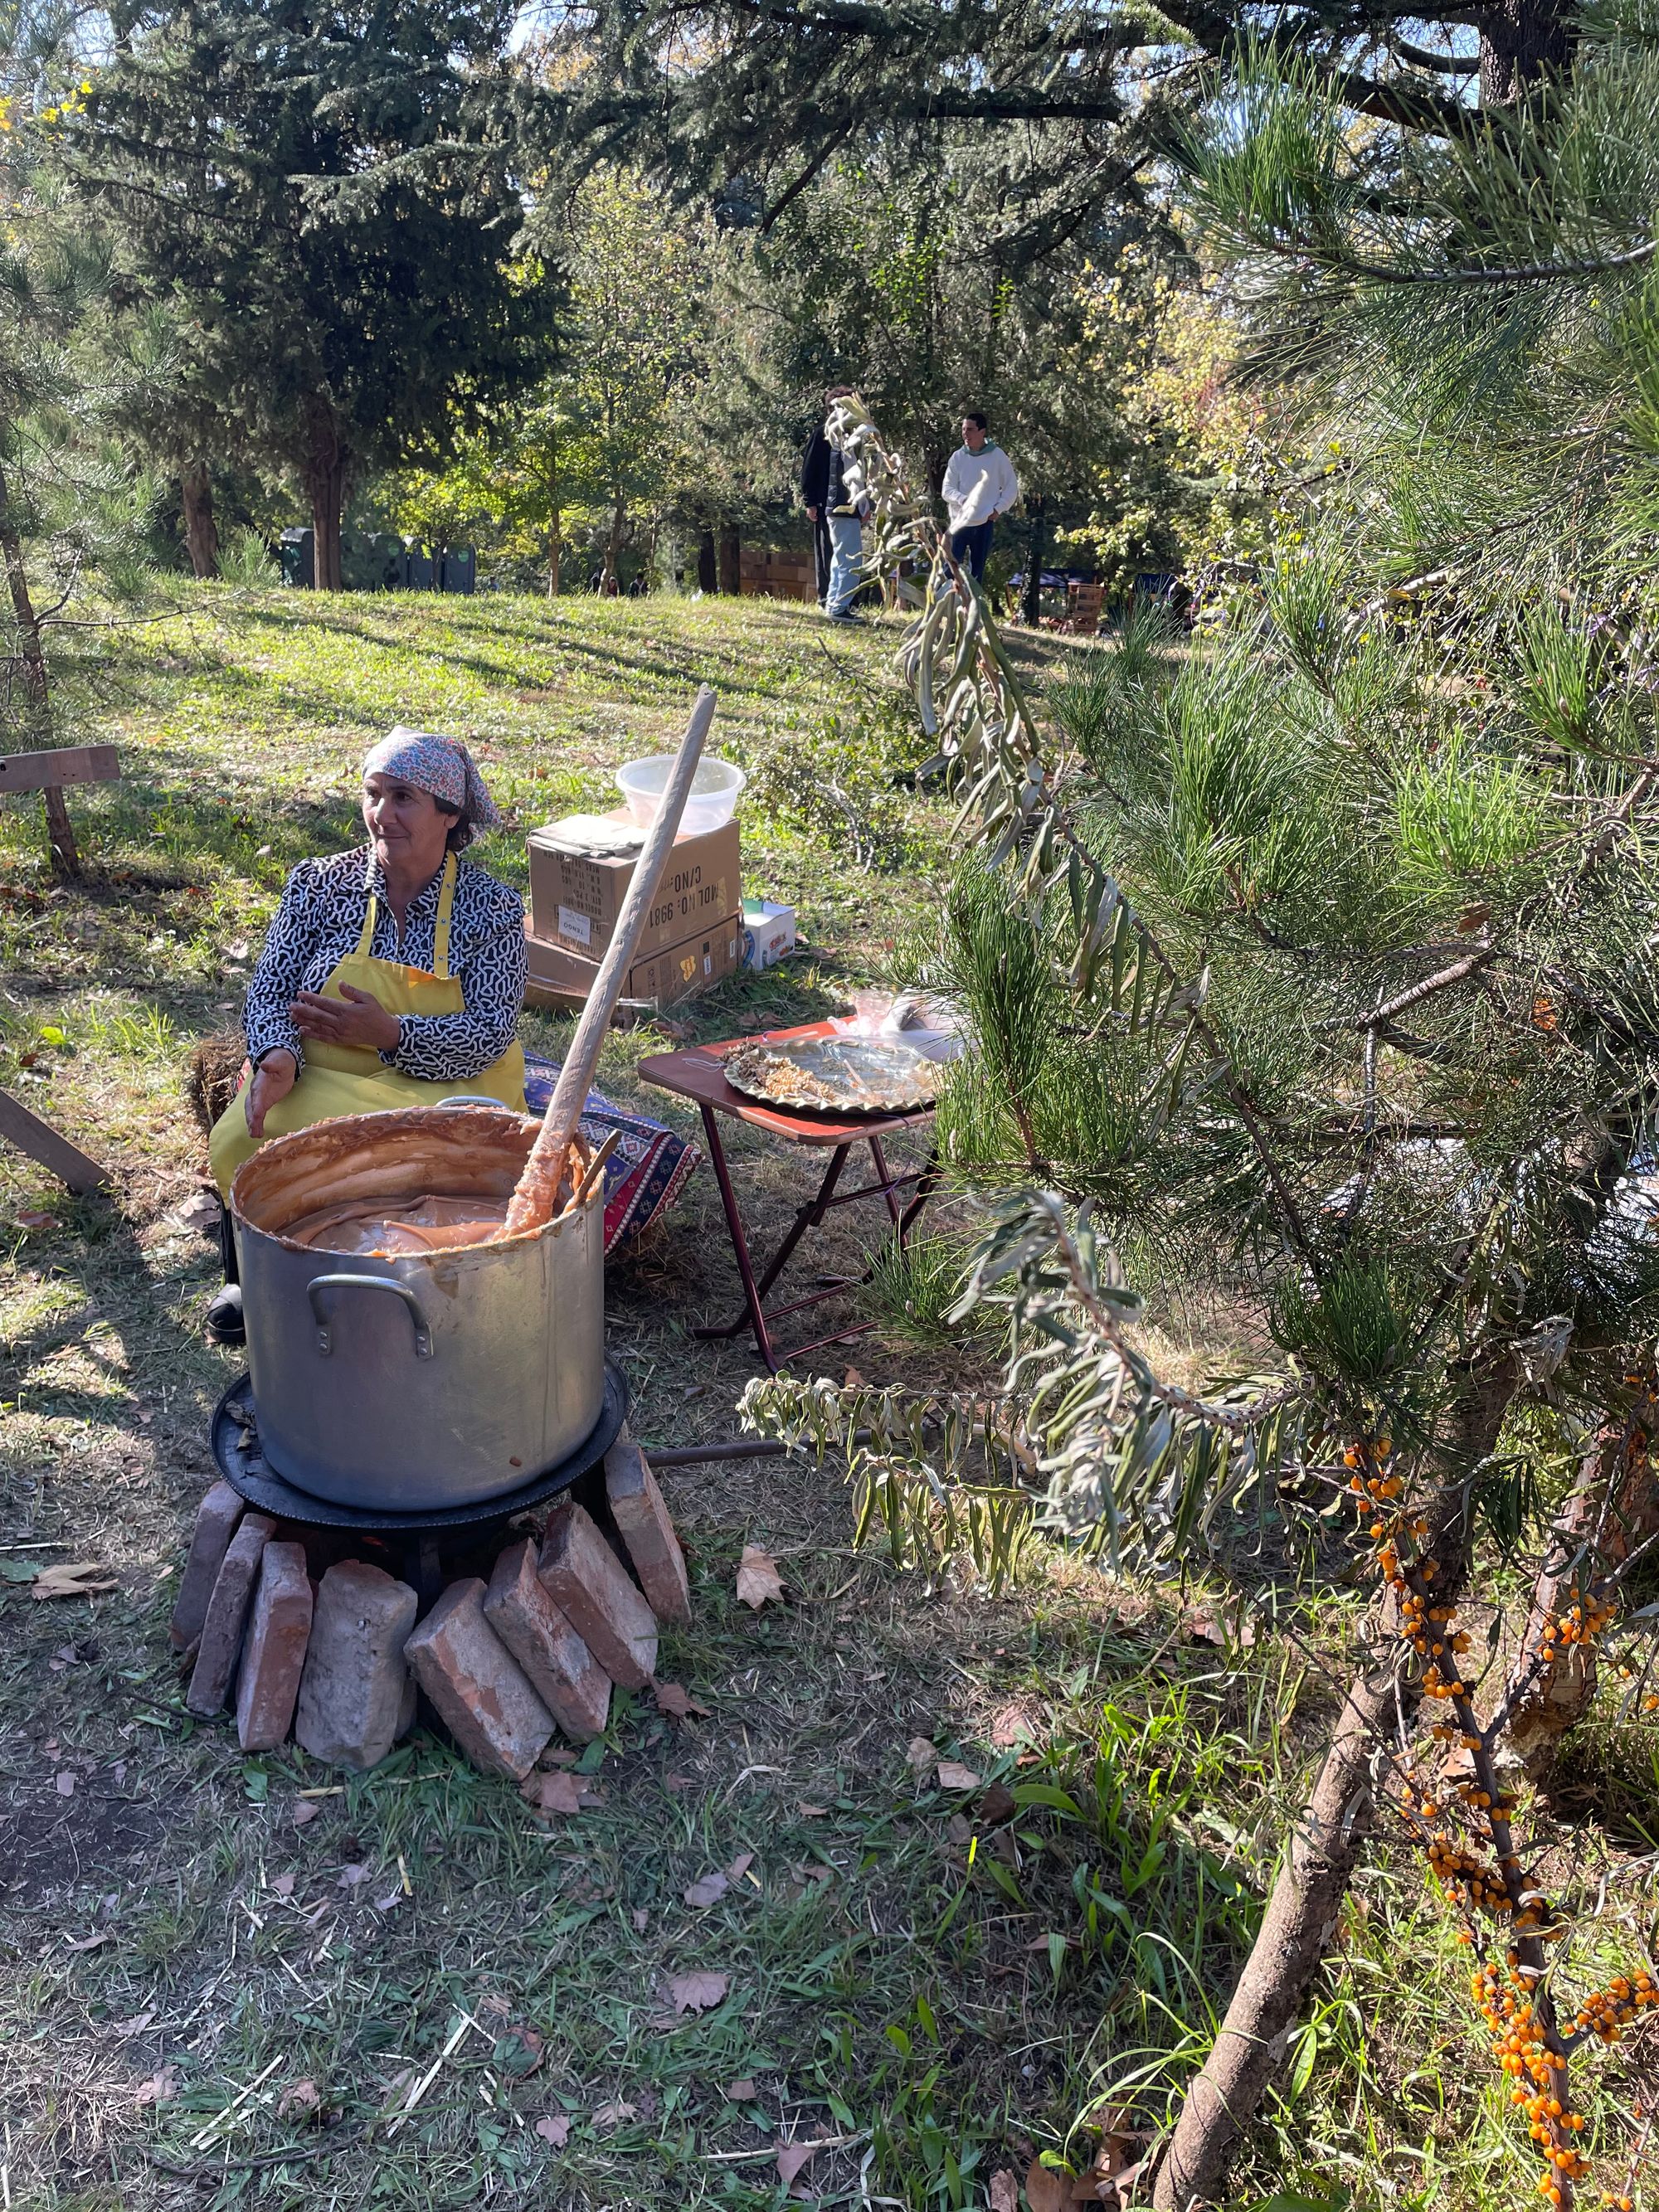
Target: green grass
936 1994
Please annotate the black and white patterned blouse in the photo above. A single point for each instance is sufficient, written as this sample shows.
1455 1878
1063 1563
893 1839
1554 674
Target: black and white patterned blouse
318 923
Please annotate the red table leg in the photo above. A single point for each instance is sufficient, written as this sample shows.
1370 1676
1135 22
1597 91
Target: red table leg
810 1215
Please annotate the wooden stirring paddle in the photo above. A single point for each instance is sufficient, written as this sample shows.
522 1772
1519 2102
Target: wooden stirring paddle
536 1198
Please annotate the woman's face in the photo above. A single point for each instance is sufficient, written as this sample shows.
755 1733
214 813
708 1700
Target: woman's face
408 826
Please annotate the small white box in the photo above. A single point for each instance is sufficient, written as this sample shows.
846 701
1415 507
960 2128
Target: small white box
768 932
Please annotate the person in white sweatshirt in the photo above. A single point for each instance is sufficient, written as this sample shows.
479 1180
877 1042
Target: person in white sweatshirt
979 485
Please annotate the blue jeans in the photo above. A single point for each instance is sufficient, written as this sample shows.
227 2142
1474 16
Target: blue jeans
846 562
972 545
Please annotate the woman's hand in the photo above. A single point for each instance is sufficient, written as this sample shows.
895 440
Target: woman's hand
357 1017
273 1078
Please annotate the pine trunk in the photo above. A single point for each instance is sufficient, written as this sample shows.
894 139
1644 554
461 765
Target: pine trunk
326 488
1296 1930
709 574
1032 608
1313 1878
37 689
201 529
1520 41
731 560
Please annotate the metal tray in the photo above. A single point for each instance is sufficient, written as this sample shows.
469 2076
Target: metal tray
834 1074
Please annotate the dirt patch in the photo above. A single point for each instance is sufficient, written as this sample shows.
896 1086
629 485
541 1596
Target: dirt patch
51 1845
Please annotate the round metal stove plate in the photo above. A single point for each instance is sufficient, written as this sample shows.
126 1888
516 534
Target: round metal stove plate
235 1437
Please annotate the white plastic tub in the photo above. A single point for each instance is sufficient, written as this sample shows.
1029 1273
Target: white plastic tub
714 799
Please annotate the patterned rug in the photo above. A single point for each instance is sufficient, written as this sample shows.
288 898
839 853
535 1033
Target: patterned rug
647 1172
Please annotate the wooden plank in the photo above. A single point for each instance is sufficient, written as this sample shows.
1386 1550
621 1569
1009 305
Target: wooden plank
42 1142
49 771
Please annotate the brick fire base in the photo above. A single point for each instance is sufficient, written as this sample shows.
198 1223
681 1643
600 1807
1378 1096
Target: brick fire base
334 1648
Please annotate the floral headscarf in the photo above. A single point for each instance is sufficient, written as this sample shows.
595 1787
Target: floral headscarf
442 766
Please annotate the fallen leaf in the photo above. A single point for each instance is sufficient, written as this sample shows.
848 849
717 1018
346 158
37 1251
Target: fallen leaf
556 1792
237 951
1045 2189
854 1381
298 2098
1206 1628
390 1902
742 2093
758 1579
282 1884
996 1804
556 1755
612 2116
792 2156
812 1812
35 1220
519 2052
91 1942
65 1782
676 1701
1005 2191
304 1810
740 1866
953 1775
920 1754
161 2088
84 1579
640 1918
958 1831
679 1781
200 1211
351 1877
697 1992
709 1890
1013 1723
136 2025
555 2130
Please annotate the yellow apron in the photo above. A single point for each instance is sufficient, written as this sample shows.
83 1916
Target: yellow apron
353 1078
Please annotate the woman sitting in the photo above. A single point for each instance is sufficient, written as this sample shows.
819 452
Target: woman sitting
392 974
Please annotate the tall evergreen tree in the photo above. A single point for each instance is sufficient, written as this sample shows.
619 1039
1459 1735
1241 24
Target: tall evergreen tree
1329 974
325 200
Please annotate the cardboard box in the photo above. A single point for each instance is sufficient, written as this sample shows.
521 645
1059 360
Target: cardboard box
768 932
575 900
563 980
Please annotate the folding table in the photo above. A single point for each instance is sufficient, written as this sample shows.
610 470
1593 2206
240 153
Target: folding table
696 1073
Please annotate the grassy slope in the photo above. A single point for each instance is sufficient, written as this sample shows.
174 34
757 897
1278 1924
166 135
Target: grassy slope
900 1981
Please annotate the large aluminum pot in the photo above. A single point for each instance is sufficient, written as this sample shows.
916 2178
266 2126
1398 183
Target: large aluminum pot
436 1378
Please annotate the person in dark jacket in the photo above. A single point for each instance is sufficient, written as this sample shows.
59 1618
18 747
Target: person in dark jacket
815 490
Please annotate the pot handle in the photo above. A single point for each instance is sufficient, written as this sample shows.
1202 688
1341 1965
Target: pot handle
325 1334
471 1099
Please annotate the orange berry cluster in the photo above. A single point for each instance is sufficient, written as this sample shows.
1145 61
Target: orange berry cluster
1607 2013
1618 2203
1519 2045
1584 1620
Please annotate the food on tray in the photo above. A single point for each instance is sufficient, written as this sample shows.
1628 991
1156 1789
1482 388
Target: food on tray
834 1074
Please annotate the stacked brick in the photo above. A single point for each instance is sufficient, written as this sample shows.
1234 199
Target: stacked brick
505 1664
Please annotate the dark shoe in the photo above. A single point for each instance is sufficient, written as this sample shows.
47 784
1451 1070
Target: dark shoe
856 621
223 1319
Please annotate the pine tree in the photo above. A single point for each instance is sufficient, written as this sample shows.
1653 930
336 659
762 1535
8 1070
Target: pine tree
325 200
1336 987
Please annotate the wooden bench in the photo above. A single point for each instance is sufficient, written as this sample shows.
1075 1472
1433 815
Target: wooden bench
48 773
